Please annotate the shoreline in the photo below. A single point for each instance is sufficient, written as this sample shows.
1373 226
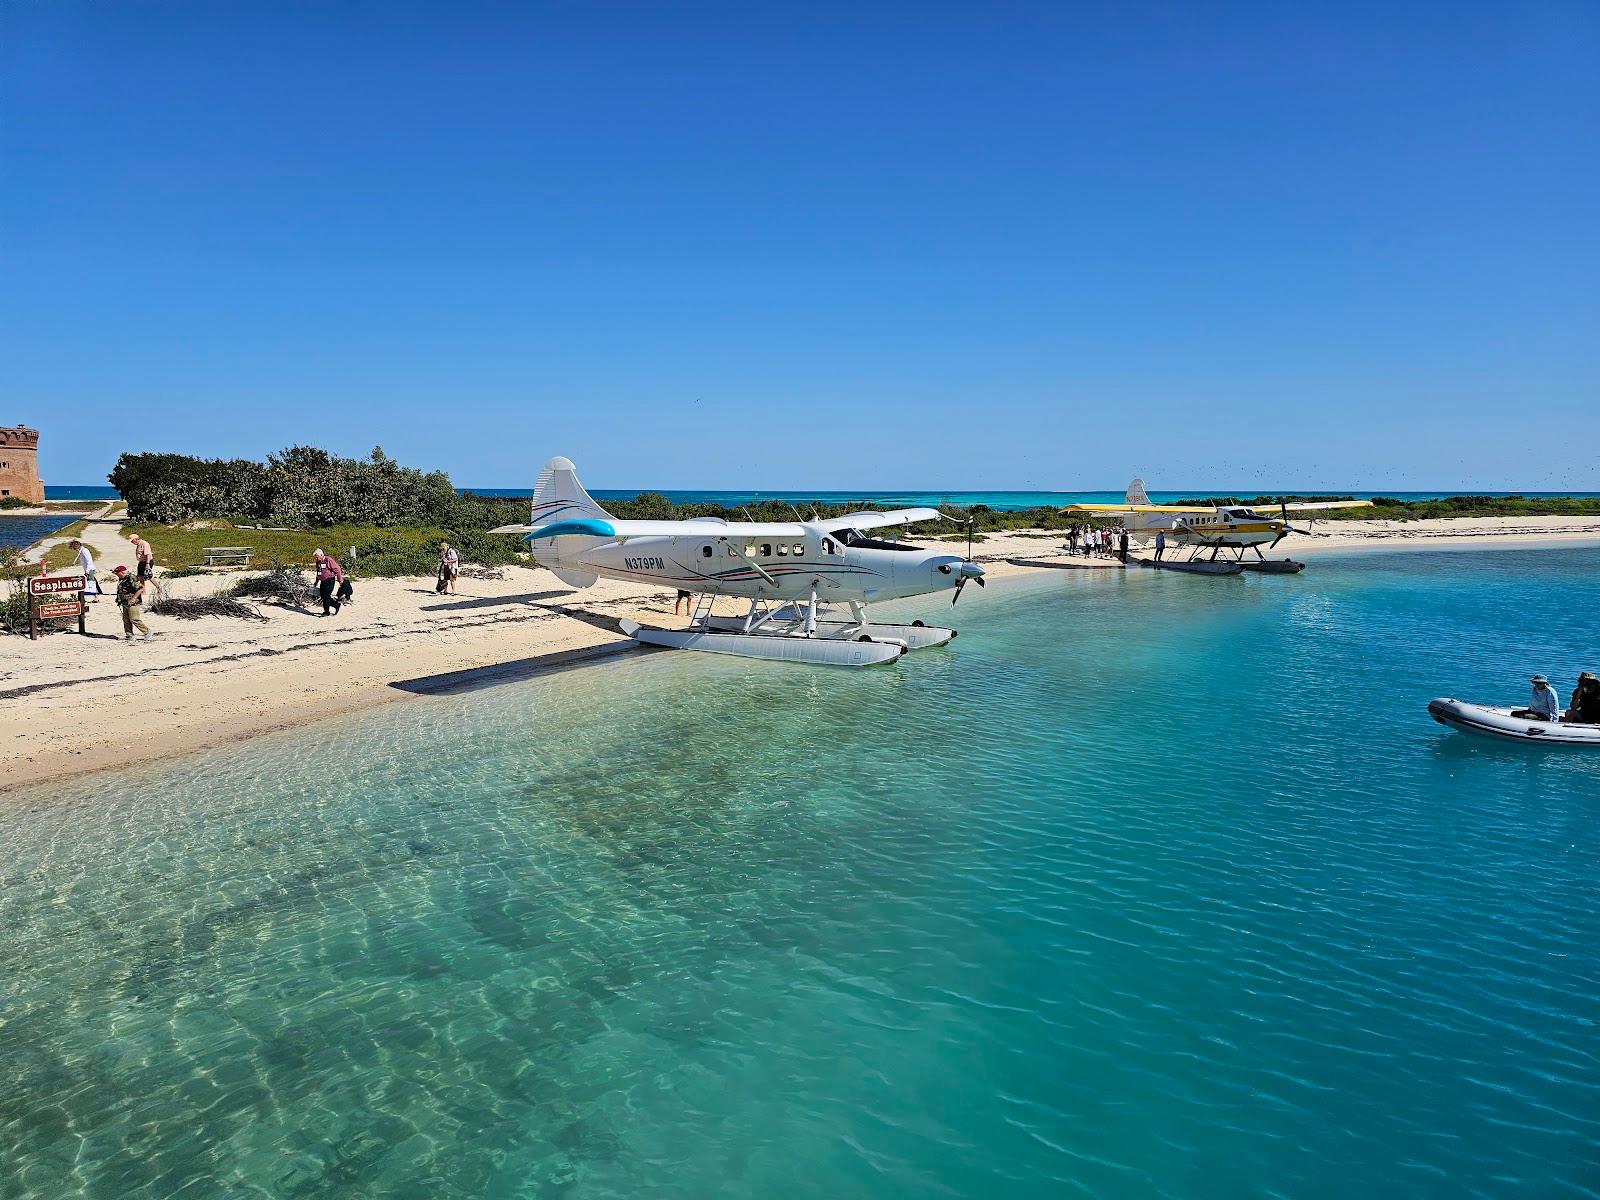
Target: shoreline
86 706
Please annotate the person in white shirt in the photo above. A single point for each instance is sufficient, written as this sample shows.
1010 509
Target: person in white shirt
85 561
1544 705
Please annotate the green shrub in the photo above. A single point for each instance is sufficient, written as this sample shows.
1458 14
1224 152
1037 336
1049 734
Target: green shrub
14 609
13 502
300 487
416 551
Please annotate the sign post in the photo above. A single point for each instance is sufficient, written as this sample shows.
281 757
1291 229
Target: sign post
67 601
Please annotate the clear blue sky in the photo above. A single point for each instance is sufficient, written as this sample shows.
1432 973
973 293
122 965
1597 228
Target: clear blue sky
854 246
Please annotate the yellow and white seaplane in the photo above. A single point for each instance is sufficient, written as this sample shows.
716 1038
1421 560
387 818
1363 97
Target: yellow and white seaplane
789 571
1199 528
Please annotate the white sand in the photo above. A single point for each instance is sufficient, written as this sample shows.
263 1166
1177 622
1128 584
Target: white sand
70 705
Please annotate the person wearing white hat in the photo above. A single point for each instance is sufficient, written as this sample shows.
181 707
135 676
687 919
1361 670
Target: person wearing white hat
1544 706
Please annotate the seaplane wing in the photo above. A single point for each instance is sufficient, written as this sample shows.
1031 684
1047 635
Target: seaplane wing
622 531
880 519
1135 508
1320 505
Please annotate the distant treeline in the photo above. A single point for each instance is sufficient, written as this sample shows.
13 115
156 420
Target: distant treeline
307 488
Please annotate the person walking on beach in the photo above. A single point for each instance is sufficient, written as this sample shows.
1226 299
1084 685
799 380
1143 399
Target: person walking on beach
1161 543
130 598
681 602
1122 545
449 567
143 556
85 562
329 575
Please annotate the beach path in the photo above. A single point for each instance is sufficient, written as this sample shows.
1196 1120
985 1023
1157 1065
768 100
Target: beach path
102 534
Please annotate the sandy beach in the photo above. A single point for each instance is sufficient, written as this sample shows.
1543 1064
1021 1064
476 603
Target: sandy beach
72 705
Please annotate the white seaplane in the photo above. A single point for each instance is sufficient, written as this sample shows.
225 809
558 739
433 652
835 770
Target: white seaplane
792 573
1235 527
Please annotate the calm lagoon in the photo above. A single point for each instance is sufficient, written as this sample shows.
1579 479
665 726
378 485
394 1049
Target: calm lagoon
1145 886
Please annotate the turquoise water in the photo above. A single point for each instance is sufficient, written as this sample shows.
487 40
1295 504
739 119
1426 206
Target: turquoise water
1145 886
998 500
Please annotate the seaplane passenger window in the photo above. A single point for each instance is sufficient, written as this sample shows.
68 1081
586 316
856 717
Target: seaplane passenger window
827 545
766 549
749 549
705 551
783 551
799 549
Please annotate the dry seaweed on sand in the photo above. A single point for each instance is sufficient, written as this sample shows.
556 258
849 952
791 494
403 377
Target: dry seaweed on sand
279 586
477 572
192 609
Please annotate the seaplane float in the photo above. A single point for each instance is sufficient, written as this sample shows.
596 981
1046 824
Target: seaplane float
808 582
1218 529
1510 724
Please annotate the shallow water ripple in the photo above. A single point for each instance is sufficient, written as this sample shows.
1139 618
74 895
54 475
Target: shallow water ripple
1185 899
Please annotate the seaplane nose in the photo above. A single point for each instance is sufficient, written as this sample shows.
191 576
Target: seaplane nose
962 571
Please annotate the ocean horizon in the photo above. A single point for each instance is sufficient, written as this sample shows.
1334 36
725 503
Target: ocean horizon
996 499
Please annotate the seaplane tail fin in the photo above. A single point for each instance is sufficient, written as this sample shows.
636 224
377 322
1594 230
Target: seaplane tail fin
558 496
1136 493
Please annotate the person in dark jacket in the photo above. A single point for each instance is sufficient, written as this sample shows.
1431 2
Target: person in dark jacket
1585 706
130 599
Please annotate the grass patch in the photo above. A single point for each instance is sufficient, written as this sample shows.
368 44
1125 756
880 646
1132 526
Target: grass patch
58 557
377 550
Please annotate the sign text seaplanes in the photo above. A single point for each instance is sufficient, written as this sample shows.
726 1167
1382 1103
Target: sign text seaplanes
70 590
44 585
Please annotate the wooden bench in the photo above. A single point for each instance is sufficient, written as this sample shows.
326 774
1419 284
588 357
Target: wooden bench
227 554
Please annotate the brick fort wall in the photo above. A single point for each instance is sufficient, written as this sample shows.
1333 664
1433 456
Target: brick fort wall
19 463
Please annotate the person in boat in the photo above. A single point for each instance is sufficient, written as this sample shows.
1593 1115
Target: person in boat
1544 704
1585 706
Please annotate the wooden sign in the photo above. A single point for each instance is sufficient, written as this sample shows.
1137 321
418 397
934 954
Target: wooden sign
44 585
70 586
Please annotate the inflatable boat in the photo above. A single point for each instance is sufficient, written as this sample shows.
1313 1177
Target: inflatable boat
1504 723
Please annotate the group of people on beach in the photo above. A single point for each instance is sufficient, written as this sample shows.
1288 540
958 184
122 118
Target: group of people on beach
138 587
1098 541
335 589
134 588
1584 708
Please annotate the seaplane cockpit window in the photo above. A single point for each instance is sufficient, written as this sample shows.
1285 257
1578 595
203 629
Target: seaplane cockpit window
827 545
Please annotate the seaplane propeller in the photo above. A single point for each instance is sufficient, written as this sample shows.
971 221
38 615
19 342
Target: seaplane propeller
964 571
1283 508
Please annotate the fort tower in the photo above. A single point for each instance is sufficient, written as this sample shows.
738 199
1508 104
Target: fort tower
19 463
